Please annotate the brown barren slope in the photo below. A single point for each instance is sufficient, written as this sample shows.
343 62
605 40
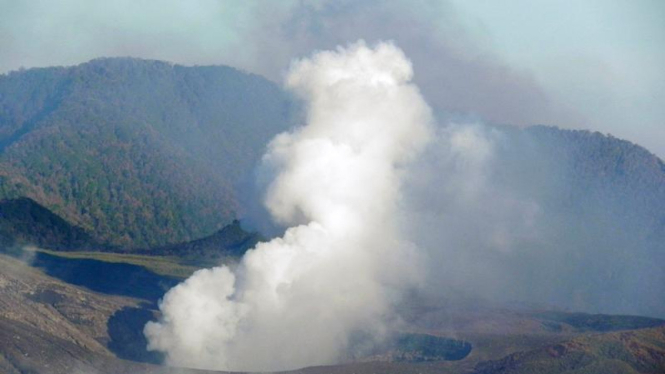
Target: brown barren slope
635 351
51 327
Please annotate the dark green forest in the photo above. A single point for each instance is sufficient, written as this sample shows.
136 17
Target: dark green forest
137 153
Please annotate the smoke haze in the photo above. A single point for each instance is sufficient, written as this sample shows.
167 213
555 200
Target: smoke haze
512 217
378 201
300 299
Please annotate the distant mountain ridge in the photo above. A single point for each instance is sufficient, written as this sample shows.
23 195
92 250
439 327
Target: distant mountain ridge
23 222
636 351
142 153
592 235
597 175
139 153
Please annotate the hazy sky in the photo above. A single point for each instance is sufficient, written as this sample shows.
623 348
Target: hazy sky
605 58
595 64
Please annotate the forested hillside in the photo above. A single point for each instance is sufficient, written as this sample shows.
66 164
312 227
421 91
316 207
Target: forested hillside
146 154
588 175
138 153
596 239
24 222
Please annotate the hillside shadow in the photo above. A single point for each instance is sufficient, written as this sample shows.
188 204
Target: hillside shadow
105 277
125 329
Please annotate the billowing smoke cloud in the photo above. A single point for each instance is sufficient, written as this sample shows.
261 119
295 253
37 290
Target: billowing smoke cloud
303 298
453 70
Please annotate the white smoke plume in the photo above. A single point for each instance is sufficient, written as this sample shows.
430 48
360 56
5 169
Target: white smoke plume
300 299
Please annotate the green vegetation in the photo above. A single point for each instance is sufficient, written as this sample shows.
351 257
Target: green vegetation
227 244
23 221
423 347
601 322
144 154
169 266
639 351
603 177
177 260
27 230
137 153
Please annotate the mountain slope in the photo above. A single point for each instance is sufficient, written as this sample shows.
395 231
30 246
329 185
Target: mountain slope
637 351
146 153
614 176
36 310
546 217
602 224
51 327
139 153
24 222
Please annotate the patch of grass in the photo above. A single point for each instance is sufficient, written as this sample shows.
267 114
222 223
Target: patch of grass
601 322
169 266
494 346
424 347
